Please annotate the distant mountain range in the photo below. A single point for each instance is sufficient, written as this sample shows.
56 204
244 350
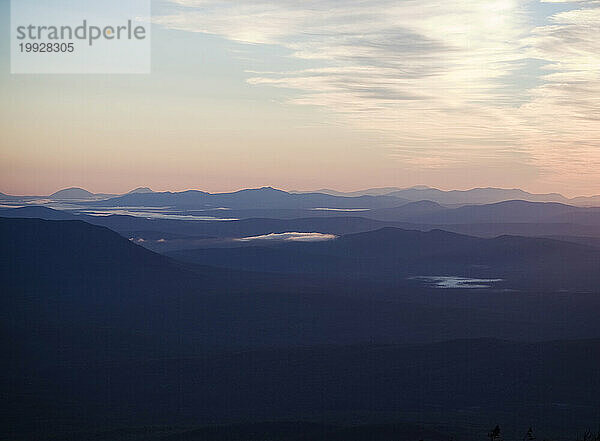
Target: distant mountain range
262 197
462 197
76 193
71 194
475 195
367 192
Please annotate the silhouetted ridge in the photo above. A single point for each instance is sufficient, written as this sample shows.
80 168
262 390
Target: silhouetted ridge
88 252
474 195
424 204
394 255
37 211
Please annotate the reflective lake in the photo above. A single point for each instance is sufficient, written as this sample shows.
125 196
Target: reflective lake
457 282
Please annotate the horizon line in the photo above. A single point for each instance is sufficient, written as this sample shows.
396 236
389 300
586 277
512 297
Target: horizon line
317 190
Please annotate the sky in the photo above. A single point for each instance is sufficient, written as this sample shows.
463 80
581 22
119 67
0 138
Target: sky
322 93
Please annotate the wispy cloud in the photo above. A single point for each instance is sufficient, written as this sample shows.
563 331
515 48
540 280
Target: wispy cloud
438 83
563 116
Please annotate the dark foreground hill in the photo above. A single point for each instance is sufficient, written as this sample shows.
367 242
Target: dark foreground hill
101 334
87 282
260 431
465 386
75 276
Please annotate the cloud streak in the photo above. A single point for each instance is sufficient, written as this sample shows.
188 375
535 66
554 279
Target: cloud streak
289 237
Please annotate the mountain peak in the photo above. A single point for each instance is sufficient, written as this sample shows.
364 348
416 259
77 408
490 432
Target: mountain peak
141 190
261 190
269 188
72 193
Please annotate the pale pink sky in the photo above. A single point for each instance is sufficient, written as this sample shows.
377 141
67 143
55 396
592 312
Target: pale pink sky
306 95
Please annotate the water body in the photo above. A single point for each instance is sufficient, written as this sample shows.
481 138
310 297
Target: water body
340 209
446 282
